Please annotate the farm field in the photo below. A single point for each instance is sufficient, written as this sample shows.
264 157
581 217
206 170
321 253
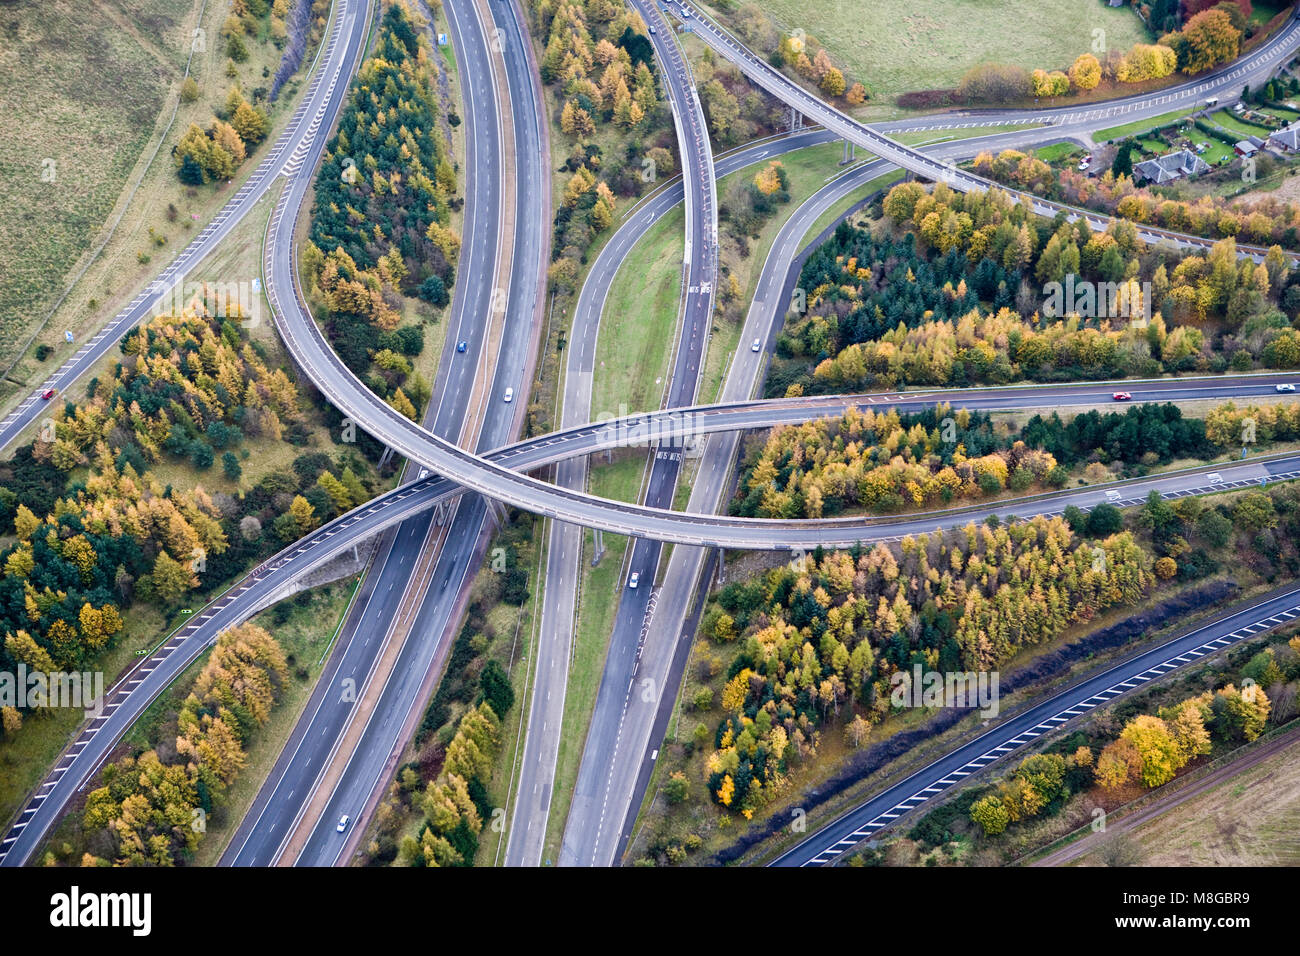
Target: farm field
1247 820
896 46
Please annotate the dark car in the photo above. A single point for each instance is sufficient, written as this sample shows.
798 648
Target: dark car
461 346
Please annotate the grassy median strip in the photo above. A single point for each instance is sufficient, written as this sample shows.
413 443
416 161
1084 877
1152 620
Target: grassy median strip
597 606
929 137
639 324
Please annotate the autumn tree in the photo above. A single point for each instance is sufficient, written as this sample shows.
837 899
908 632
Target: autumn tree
1119 764
1209 38
1085 72
832 82
1160 755
171 580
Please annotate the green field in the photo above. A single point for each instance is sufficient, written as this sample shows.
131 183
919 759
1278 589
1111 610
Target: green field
896 46
1057 151
1226 119
73 134
1264 10
1138 126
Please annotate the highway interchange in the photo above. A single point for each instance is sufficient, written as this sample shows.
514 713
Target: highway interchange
587 839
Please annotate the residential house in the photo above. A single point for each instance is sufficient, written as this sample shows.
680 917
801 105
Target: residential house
1165 169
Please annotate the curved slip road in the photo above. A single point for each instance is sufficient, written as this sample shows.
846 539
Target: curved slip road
340 56
273 579
762 74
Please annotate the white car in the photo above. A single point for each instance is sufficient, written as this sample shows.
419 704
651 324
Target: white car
757 346
1286 387
1215 477
343 823
424 473
1083 166
1112 496
634 579
652 31
510 395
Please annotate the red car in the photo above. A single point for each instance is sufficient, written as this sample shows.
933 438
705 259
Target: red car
47 394
1122 396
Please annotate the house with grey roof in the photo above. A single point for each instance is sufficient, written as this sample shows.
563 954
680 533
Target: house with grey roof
1165 169
1287 139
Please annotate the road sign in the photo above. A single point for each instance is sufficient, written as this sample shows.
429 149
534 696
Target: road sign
67 336
257 285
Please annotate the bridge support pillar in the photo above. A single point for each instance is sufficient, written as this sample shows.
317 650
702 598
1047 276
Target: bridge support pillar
722 564
598 550
498 512
850 153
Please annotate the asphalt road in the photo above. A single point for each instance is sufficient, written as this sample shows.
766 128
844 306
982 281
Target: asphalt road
534 792
285 794
369 768
481 475
300 140
104 341
550 676
270 581
620 754
699 192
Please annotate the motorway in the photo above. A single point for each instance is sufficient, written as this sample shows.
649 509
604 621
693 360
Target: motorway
368 772
476 473
341 54
273 580
620 753
537 775
534 792
651 564
376 619
699 278
101 343
511 323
